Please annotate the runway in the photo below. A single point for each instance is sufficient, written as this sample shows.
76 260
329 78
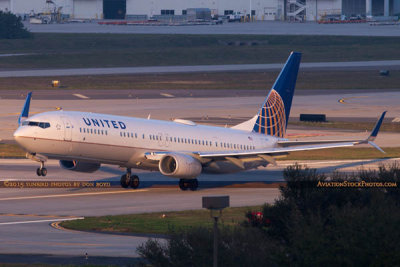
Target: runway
350 65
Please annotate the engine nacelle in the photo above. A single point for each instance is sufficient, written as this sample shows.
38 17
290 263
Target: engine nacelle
79 166
179 166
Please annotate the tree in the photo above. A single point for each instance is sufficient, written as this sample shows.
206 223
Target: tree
307 226
11 27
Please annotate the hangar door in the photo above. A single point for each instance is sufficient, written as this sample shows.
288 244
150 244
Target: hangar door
114 9
353 7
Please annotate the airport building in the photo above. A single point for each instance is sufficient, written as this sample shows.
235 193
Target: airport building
292 10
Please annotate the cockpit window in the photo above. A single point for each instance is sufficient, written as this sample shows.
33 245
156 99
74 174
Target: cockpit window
43 125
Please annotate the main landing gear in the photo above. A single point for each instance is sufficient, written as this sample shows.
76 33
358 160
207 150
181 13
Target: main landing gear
129 180
185 184
42 171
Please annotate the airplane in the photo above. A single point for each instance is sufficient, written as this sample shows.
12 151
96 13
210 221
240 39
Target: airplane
179 149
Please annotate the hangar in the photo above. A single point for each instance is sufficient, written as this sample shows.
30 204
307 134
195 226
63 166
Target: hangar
293 10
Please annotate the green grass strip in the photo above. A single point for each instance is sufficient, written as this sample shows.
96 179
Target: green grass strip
159 222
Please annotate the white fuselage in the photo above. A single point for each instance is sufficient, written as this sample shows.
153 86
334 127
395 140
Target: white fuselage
124 141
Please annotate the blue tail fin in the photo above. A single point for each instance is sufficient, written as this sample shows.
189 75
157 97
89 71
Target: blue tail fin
25 109
274 114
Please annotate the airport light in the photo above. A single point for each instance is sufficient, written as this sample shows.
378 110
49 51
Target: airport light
215 204
55 83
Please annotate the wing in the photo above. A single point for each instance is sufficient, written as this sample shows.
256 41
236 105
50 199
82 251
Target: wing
291 146
283 148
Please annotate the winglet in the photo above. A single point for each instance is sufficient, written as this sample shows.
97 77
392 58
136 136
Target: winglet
375 131
25 109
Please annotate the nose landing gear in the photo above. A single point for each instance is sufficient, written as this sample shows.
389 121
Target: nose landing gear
129 180
42 171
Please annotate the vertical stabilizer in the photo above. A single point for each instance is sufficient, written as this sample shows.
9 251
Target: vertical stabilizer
25 109
274 114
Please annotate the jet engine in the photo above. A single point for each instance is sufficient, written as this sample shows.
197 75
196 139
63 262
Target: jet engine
179 166
79 166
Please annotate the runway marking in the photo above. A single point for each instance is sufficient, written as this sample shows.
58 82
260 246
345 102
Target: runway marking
342 100
74 195
167 95
40 221
57 226
34 215
80 96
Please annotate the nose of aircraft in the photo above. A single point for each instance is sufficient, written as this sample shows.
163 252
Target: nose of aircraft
18 135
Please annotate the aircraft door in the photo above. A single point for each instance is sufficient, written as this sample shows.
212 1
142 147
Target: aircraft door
161 141
67 129
166 140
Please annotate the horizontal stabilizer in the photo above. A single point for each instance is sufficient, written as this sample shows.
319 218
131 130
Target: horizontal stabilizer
247 125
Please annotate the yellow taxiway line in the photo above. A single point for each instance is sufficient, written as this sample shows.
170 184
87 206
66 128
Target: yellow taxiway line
343 100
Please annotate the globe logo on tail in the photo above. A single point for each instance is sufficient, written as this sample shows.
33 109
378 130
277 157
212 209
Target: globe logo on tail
271 119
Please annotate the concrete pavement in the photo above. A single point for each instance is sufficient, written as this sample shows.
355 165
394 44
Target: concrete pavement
358 65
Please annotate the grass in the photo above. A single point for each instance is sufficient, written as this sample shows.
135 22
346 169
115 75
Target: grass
368 79
11 151
362 126
155 223
51 50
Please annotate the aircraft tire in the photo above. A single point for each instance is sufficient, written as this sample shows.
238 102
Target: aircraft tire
43 172
38 172
193 185
134 181
183 184
124 181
